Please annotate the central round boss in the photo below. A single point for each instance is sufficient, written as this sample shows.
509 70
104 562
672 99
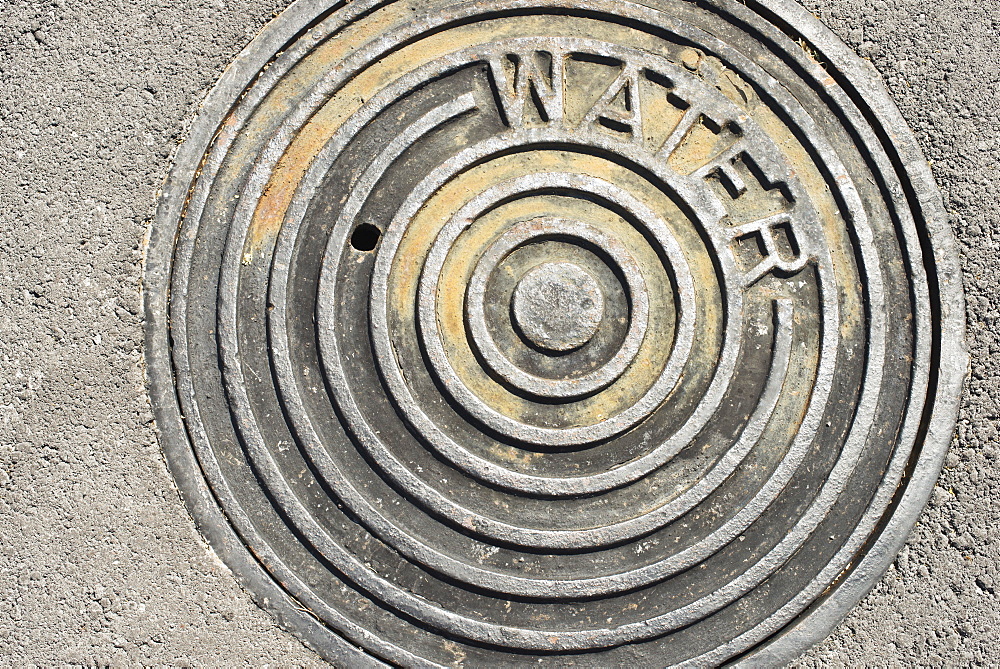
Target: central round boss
558 306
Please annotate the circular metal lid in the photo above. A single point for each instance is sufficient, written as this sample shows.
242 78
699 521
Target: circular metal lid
607 332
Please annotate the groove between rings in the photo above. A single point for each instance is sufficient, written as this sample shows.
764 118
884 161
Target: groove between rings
428 306
376 328
783 316
775 488
483 341
778 488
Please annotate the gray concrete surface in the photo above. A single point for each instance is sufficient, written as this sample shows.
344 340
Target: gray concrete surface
99 561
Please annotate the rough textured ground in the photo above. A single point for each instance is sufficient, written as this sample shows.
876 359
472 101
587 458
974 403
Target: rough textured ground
99 561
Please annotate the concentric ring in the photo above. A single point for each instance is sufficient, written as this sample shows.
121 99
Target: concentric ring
518 236
751 372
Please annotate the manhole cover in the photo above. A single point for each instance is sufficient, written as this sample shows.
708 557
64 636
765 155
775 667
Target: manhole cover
596 331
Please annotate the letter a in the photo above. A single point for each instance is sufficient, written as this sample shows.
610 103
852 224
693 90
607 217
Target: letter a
626 116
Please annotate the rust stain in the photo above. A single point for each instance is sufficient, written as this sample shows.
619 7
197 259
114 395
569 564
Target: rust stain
291 168
278 193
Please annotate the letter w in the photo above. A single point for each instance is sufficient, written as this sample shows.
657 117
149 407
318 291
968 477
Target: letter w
534 75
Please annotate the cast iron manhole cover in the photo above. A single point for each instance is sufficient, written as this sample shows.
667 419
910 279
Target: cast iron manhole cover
596 331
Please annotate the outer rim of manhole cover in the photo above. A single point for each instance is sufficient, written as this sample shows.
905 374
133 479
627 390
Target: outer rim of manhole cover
854 75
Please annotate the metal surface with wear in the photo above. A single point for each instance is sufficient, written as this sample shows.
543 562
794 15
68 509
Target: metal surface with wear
600 332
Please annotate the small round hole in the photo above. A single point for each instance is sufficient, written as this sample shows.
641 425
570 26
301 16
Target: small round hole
365 237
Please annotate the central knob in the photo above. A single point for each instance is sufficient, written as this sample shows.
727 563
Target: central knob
558 306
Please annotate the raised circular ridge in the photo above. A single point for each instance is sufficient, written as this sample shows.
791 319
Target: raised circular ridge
938 328
574 386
